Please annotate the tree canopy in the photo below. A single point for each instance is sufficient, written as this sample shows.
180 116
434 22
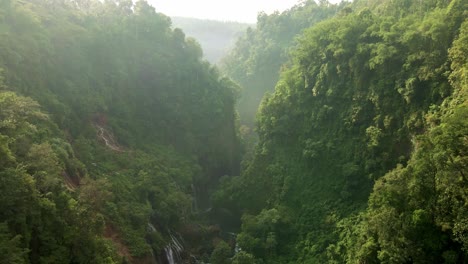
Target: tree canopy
110 122
363 140
119 143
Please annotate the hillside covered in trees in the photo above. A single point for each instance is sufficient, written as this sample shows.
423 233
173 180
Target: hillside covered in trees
119 143
361 156
256 59
112 133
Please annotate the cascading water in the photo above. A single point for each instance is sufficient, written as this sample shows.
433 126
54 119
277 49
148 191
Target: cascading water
150 228
169 255
174 250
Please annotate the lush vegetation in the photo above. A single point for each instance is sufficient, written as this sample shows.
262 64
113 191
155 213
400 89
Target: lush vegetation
111 128
115 136
256 59
362 146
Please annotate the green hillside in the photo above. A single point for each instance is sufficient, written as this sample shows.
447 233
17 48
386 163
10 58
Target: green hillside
362 145
120 143
110 123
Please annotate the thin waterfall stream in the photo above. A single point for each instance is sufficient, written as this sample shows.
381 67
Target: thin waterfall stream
174 250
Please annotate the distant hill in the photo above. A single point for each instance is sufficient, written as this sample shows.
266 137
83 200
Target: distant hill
215 37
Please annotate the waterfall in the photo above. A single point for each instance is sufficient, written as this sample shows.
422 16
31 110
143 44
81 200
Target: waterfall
169 255
150 228
174 250
237 248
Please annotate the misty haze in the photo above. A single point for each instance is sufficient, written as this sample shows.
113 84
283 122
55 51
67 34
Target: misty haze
233 132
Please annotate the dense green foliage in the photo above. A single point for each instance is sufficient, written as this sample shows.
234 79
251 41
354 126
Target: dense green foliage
215 37
41 219
417 213
373 102
257 57
115 134
111 128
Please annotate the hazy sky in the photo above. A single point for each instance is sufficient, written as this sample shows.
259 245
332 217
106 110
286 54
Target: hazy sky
227 10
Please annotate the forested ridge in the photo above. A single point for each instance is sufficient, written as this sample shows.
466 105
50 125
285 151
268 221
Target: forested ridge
361 153
257 58
113 131
120 144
